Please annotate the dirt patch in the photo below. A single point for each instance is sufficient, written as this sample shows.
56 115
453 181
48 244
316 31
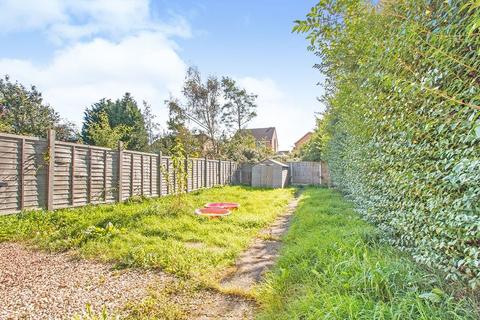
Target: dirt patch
261 256
188 300
214 305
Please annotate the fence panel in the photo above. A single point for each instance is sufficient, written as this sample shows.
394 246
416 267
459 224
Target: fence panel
37 173
10 156
305 173
34 175
245 174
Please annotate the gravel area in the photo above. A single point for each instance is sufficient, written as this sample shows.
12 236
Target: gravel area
39 285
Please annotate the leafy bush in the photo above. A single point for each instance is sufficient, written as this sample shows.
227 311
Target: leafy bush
402 129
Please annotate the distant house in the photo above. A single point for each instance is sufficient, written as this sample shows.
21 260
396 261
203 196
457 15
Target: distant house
265 136
302 141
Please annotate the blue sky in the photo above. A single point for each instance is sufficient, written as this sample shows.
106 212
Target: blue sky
77 52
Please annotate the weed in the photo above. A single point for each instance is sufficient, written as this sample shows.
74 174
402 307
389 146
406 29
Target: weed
89 314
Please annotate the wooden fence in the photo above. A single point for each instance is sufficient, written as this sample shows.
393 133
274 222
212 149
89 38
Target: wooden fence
305 173
245 176
44 173
309 173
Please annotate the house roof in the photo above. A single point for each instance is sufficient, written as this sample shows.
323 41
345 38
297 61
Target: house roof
306 135
262 133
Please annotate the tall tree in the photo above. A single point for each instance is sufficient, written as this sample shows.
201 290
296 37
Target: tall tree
126 112
240 106
177 118
102 134
202 105
67 131
243 147
123 112
151 126
22 111
178 132
92 116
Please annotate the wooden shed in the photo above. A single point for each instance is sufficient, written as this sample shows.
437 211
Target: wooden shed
270 173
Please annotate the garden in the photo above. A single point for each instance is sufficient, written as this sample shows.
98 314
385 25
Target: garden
159 233
154 234
393 234
332 264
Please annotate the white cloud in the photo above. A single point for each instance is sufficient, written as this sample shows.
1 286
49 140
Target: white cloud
30 14
108 47
104 49
147 65
277 108
79 19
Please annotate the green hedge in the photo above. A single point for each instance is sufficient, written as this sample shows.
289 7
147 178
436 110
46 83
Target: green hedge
401 133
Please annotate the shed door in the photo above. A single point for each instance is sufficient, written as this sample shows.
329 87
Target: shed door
267 176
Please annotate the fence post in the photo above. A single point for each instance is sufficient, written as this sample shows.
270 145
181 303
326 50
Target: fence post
290 164
219 172
159 169
230 180
50 167
186 173
141 175
192 183
151 177
120 170
105 156
168 176
132 176
72 177
197 173
21 179
89 176
175 189
240 173
205 172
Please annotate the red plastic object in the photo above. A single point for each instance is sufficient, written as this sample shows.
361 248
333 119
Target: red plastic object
212 212
223 205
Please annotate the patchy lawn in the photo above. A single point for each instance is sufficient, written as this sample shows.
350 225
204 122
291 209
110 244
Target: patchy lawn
154 233
334 266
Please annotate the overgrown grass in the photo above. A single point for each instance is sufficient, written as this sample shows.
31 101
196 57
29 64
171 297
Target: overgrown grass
160 233
334 266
